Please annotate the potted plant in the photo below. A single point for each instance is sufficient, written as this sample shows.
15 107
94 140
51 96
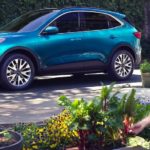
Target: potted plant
145 71
10 140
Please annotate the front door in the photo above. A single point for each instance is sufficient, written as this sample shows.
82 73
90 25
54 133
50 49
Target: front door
64 47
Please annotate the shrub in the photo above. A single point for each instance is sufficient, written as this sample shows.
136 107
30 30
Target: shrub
145 67
54 135
105 121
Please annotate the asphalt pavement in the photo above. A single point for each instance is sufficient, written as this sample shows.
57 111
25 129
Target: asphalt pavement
40 101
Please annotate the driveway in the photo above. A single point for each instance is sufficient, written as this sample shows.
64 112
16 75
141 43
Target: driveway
40 101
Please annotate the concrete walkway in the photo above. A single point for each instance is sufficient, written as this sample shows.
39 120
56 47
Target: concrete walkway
40 101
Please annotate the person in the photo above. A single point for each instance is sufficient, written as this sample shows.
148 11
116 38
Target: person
138 127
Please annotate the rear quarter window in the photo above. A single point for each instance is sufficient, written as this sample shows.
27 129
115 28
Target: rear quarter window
113 22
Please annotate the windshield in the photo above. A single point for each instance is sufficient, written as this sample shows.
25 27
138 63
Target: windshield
28 22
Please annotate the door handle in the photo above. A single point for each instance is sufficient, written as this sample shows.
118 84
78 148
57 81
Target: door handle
75 39
113 37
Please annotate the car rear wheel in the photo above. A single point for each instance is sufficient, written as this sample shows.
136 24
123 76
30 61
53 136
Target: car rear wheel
17 72
122 65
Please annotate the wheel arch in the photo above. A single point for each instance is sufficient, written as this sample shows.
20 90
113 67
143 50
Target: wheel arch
25 51
122 47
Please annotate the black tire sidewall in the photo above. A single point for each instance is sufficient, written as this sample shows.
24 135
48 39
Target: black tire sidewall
112 71
3 77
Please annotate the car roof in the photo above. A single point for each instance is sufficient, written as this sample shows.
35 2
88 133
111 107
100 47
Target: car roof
93 9
67 9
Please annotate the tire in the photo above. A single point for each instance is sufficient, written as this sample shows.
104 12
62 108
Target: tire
122 65
16 72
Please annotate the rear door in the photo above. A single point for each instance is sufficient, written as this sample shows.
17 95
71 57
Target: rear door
97 37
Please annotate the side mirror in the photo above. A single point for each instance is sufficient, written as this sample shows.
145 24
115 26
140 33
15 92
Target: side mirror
51 30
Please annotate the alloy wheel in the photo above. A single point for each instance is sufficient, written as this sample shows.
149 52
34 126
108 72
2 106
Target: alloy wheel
18 72
123 65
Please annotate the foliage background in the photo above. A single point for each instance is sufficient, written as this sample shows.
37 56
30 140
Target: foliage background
132 8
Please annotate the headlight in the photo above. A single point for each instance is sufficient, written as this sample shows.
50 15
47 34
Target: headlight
2 40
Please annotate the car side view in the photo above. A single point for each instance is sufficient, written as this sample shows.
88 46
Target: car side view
67 41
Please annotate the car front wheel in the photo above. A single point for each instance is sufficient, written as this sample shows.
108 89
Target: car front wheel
17 72
122 65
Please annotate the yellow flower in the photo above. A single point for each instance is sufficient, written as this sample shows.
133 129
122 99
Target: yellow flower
41 130
35 147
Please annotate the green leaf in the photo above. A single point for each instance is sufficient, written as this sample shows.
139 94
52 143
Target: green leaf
121 107
64 101
87 118
75 103
130 105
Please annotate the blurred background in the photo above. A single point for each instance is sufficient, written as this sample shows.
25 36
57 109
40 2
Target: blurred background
138 11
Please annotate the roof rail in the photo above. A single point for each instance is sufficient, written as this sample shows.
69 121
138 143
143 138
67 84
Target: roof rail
78 7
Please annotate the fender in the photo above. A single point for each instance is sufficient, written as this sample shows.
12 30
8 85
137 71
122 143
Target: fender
26 51
117 48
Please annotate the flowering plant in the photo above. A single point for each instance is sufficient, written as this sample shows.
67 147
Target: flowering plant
54 134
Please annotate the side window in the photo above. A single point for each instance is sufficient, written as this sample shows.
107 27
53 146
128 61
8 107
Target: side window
113 22
67 23
93 21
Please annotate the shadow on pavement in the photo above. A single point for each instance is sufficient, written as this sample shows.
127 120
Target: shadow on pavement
83 81
40 101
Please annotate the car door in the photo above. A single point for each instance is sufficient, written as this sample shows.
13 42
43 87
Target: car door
97 37
65 46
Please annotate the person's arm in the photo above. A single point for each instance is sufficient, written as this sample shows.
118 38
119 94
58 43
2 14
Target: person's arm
138 127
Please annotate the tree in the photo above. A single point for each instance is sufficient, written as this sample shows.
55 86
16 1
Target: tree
147 19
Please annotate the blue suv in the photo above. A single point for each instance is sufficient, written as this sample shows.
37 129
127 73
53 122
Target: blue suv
71 40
